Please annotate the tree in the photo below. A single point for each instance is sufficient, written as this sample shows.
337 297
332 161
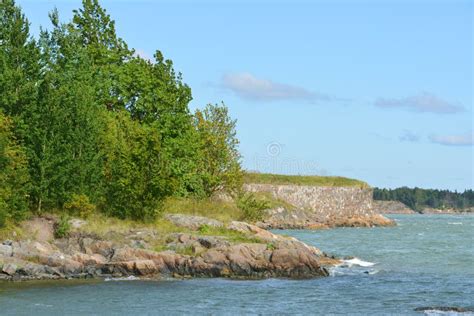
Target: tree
64 126
136 178
98 124
14 178
108 52
19 56
220 160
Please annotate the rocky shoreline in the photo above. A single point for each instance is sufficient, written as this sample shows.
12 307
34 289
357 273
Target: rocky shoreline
315 207
282 218
83 255
396 207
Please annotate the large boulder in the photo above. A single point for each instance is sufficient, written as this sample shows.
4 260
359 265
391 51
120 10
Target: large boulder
6 251
9 268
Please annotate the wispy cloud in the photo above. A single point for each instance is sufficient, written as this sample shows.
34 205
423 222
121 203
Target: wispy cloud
466 139
424 102
409 136
247 86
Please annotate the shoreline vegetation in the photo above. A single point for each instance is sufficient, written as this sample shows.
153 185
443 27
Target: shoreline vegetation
325 181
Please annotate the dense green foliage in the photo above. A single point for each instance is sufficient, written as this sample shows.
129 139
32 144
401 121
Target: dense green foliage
13 176
252 207
220 166
87 124
417 198
303 180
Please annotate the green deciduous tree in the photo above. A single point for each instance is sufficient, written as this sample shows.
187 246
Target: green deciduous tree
14 178
19 56
220 159
136 178
65 125
100 126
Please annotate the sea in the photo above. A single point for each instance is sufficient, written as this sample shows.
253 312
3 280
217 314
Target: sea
419 267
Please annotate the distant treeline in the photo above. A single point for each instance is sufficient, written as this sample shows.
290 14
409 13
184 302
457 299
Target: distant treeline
418 199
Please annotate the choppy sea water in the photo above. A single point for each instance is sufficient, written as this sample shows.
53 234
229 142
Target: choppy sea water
427 260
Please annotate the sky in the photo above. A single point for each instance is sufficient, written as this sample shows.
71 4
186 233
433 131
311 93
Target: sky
380 91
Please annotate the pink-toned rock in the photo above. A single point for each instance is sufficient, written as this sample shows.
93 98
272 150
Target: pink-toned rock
214 257
145 267
247 228
85 259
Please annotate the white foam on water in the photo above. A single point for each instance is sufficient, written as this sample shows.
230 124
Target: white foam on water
43 305
433 312
358 262
129 278
455 223
354 266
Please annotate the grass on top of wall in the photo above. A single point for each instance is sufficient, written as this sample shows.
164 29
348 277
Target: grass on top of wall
268 178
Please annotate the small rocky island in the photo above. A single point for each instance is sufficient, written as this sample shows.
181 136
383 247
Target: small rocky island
237 250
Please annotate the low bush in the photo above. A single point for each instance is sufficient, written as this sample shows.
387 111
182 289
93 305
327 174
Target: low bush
79 205
252 207
62 228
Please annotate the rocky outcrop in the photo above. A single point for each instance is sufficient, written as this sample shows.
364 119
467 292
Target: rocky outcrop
189 255
430 210
396 207
192 222
320 207
392 207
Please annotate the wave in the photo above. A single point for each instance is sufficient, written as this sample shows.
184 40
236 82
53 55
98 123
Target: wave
358 262
435 312
129 278
455 223
354 266
443 310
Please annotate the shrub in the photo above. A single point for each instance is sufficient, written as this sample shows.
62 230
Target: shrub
62 228
79 205
3 214
252 208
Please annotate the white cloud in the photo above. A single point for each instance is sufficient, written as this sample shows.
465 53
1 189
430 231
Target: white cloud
247 86
466 139
409 136
424 102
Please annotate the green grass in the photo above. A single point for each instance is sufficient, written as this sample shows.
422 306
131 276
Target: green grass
11 231
268 178
114 229
211 208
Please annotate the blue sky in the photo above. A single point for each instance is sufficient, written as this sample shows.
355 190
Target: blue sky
376 90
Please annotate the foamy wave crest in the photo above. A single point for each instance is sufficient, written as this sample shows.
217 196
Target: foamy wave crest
358 262
452 311
353 266
129 278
